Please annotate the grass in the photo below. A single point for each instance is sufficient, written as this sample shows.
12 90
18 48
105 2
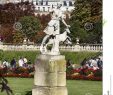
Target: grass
76 57
75 87
82 87
31 55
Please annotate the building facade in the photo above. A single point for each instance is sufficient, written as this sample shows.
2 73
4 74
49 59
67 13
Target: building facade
44 6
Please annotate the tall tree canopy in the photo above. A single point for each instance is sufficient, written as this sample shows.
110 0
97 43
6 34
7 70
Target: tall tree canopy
10 12
30 26
86 21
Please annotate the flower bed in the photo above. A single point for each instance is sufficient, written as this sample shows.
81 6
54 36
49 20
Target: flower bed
17 72
76 74
85 74
24 75
82 77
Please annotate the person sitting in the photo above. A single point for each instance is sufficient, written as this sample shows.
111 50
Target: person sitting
25 62
69 64
13 63
99 63
21 62
5 64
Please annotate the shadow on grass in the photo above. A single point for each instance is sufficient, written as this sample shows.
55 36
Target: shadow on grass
28 93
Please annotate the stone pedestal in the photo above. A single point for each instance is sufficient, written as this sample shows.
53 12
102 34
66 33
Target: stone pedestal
50 75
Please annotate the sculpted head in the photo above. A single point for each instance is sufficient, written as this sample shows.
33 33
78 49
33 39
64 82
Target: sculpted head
59 5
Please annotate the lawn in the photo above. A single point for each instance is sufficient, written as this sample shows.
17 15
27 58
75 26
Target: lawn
76 57
75 87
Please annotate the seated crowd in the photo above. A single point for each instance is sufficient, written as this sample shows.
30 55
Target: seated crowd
93 63
22 62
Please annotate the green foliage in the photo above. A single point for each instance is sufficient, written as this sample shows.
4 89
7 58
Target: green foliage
62 26
78 57
30 26
98 73
87 11
17 37
1 54
28 93
30 55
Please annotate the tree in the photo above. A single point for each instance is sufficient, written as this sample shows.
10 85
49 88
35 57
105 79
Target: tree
86 21
44 19
1 54
3 82
4 85
30 26
10 12
6 33
18 37
62 26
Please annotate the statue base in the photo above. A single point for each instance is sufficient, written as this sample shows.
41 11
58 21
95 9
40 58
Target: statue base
50 75
49 91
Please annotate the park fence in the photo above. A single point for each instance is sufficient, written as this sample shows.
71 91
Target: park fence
74 48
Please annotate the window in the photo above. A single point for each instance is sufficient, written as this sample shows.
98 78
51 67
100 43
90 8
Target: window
65 4
46 2
52 6
41 2
66 9
48 9
70 3
36 2
38 8
43 9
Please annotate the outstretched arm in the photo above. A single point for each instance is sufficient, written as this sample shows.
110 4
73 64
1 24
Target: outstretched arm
65 23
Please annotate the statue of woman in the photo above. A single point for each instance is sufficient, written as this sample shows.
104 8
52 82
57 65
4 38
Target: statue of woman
53 27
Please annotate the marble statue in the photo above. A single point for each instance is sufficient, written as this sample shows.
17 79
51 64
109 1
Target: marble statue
53 33
50 66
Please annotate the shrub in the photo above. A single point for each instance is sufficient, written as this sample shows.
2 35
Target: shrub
1 54
98 73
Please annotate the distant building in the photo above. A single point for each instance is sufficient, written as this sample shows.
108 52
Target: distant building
44 6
